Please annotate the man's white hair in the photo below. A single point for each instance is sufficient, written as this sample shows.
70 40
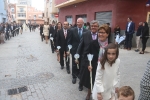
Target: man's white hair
94 21
80 19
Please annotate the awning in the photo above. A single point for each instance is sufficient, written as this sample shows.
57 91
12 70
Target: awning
69 2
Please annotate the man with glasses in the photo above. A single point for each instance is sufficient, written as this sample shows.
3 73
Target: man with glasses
83 50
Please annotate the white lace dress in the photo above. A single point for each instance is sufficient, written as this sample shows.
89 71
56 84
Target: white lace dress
106 80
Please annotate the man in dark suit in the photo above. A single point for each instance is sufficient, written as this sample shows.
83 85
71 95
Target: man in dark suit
130 27
17 29
62 42
83 49
51 34
74 40
12 28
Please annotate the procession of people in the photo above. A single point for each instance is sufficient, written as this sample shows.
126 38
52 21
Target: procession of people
94 57
87 52
8 30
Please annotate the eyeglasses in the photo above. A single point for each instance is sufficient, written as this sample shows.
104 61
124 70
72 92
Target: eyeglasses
101 32
94 26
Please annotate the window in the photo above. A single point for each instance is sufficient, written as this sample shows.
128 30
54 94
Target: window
21 14
82 16
34 17
12 10
21 10
50 4
69 19
40 16
23 3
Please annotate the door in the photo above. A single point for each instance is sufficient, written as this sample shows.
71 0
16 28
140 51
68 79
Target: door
104 17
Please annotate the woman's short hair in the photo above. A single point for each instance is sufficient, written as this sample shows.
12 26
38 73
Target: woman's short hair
105 27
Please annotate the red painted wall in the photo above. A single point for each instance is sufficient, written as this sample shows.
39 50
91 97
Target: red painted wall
121 10
134 9
88 7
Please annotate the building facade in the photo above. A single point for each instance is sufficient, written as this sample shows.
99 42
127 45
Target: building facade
51 12
3 11
114 12
34 16
12 10
25 2
21 13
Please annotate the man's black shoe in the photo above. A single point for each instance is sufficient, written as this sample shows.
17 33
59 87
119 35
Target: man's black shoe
62 67
74 80
80 88
68 71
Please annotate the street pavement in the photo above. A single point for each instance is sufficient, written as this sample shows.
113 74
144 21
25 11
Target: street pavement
27 61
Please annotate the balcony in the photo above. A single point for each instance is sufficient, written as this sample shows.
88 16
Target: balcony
69 2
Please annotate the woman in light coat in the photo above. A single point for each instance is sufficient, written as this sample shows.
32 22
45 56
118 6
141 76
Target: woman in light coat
46 31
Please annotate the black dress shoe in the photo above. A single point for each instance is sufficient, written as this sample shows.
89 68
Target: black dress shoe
74 80
80 88
68 71
62 67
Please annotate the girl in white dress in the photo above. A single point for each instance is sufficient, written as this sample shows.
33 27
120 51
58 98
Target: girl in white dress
107 76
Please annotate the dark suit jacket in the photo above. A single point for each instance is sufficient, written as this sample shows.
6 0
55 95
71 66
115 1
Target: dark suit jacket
74 39
55 37
145 32
83 48
131 28
41 30
51 31
61 40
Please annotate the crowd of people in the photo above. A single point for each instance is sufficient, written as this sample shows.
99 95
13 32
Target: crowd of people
100 74
9 30
142 35
95 58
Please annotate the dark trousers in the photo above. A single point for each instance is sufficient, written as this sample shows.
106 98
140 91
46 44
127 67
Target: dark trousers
52 45
62 60
75 70
17 32
144 41
42 36
129 40
12 32
7 36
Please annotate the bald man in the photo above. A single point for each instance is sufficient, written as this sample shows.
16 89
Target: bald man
74 40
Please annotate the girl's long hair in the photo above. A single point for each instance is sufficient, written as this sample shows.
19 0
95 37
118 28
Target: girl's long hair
104 58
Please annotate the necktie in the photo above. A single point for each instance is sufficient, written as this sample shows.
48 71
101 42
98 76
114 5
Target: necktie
80 32
65 33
